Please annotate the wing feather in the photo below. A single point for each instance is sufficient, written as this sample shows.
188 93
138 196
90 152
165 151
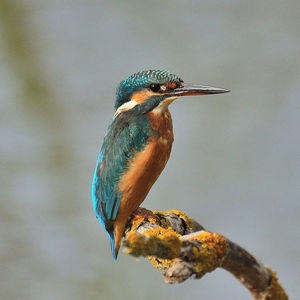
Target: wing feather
127 134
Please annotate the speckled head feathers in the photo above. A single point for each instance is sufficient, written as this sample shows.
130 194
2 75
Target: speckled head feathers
142 80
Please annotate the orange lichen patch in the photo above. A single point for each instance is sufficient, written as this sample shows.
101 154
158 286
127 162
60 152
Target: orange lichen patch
275 290
159 242
210 254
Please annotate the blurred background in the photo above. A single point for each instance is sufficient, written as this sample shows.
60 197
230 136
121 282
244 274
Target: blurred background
235 160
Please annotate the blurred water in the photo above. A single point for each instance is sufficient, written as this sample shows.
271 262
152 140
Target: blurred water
235 157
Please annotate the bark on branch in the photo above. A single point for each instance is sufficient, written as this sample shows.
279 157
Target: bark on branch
184 249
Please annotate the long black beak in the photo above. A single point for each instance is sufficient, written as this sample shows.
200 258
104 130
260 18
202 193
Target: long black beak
187 89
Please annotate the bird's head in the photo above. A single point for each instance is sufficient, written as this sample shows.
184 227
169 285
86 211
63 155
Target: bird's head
154 88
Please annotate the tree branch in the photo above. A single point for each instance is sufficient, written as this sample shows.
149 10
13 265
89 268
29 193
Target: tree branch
184 249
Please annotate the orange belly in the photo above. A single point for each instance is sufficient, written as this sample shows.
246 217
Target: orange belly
143 170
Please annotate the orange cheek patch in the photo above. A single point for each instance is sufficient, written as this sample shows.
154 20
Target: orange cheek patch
141 96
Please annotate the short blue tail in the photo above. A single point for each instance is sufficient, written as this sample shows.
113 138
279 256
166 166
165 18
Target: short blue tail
112 245
111 236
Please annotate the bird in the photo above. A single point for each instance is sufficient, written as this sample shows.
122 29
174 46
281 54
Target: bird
137 146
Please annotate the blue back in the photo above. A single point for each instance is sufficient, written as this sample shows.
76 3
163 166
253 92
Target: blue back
128 133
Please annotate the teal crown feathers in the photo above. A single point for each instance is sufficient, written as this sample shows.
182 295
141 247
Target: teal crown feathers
142 80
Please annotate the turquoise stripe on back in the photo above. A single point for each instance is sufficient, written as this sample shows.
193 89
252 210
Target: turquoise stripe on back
128 133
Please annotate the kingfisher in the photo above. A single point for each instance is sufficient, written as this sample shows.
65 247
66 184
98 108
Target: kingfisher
137 146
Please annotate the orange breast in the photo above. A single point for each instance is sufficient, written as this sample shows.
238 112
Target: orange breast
144 168
147 165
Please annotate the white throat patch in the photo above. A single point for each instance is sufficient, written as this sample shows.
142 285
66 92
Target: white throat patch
163 106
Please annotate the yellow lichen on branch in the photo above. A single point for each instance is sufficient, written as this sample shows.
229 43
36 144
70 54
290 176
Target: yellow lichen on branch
184 249
275 290
210 252
162 245
160 242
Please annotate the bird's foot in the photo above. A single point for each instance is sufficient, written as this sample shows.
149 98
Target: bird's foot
140 217
144 213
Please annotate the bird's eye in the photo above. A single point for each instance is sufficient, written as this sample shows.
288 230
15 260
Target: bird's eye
154 87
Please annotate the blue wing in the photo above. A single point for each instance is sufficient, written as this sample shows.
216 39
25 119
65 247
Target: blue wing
127 134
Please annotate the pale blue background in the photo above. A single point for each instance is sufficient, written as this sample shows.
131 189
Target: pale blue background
235 160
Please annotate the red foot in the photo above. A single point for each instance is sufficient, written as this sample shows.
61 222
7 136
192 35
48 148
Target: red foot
144 213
